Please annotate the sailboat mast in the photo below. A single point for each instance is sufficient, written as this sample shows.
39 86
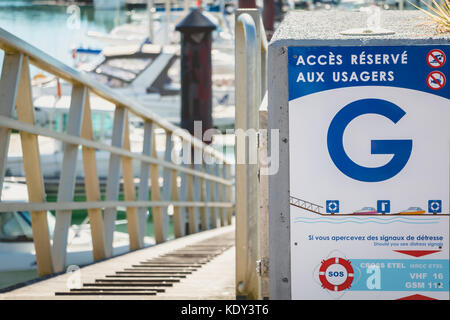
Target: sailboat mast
150 20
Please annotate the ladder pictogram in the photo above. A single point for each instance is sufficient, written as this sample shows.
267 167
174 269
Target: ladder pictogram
306 205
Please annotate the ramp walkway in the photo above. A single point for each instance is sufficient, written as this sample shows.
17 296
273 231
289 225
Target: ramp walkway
198 266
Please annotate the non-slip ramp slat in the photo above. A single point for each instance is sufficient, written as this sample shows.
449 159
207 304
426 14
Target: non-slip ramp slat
157 290
106 293
153 272
143 276
118 284
149 276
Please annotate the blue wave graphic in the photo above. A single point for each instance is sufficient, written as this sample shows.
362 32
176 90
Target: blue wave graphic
381 217
384 218
341 221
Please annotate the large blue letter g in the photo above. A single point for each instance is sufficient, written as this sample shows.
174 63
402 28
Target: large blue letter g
401 149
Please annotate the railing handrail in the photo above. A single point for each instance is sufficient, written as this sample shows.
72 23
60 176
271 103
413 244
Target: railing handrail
251 57
33 129
202 201
11 43
46 206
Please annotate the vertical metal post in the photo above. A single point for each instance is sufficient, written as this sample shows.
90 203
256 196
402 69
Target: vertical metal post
144 179
151 33
204 216
158 220
219 192
196 83
227 194
178 221
192 213
210 197
166 189
129 190
67 179
186 147
9 84
113 182
197 188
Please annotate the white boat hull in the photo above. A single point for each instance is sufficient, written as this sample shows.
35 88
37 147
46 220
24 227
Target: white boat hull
108 4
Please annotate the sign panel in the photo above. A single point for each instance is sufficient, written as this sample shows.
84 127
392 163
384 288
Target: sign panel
369 144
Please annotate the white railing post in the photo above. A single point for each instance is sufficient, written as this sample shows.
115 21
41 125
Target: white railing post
210 197
197 187
67 178
167 181
144 188
113 182
129 190
9 84
186 147
219 192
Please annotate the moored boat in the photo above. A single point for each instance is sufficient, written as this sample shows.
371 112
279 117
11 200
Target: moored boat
366 211
413 211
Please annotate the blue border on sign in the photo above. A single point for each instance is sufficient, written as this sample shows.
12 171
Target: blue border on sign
320 68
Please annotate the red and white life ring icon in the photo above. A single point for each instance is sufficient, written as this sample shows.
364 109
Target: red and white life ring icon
326 264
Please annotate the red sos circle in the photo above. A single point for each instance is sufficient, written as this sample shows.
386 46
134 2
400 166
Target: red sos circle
336 274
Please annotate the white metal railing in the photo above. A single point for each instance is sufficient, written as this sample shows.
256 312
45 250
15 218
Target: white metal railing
251 85
203 200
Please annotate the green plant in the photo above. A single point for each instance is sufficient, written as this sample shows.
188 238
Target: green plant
439 13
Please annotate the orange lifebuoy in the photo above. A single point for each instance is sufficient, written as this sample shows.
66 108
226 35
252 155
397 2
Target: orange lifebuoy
327 284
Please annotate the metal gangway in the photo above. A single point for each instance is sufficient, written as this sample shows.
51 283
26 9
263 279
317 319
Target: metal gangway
200 193
306 205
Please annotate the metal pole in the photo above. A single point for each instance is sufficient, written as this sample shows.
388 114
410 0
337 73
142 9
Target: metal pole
151 34
247 3
248 91
167 22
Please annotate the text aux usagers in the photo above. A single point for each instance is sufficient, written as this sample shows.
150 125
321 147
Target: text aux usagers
355 59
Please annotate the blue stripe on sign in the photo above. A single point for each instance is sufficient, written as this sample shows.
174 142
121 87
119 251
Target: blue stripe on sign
400 275
315 69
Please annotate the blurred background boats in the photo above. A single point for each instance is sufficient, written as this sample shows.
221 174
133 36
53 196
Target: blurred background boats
115 48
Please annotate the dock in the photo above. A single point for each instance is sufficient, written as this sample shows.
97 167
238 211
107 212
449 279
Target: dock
197 267
191 190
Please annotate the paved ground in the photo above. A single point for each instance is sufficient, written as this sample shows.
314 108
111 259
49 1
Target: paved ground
214 280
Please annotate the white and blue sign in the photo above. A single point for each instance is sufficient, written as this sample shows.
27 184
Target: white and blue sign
332 206
435 206
384 206
369 147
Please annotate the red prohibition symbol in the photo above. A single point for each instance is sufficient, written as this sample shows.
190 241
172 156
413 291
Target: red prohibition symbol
325 266
436 80
436 58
